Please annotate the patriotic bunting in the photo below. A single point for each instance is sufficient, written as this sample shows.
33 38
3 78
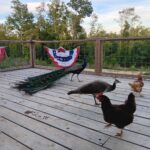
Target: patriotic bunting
2 53
61 57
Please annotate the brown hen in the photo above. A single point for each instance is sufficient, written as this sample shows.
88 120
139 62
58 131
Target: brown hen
138 84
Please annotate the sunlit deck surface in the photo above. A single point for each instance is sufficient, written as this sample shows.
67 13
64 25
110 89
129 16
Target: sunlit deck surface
52 120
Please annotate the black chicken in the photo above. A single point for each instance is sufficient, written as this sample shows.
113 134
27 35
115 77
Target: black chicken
78 68
34 84
119 115
94 88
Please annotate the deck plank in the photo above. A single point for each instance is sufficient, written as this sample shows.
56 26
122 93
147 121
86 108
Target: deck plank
61 137
8 143
118 144
130 136
62 124
73 121
27 137
65 107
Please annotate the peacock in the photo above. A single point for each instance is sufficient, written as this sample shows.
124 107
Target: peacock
95 87
77 69
32 85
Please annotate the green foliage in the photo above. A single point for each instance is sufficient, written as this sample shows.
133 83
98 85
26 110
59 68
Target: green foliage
128 20
20 21
58 18
14 62
45 62
82 7
2 32
133 55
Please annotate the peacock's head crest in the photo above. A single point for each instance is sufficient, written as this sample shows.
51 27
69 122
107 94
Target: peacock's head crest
116 81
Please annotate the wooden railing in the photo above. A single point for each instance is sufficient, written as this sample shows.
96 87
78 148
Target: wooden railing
98 48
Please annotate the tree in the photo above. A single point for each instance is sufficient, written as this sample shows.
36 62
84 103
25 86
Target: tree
140 31
2 32
96 29
128 19
82 9
126 29
21 21
58 19
42 24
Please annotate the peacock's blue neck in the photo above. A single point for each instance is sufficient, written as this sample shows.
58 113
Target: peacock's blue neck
112 87
84 64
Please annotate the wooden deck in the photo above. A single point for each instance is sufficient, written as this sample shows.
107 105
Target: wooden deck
52 120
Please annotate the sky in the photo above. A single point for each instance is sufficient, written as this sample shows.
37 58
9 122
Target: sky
106 10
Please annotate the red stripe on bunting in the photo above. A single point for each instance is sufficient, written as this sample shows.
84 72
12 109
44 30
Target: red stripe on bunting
2 53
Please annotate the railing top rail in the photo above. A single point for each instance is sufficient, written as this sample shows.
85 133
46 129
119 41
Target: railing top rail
94 39
66 41
77 41
124 39
14 41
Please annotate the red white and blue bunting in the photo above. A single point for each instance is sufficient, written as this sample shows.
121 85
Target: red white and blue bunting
2 53
63 58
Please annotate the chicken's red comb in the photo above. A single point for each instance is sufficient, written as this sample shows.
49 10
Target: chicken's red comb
99 95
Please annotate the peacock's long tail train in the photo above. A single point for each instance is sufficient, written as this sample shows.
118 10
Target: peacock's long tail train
34 84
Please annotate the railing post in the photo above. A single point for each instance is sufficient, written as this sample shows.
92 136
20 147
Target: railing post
32 54
98 56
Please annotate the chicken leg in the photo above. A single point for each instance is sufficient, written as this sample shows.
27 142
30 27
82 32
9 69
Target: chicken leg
108 125
119 133
96 102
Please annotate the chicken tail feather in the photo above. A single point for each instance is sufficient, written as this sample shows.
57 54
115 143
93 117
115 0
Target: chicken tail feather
130 84
72 92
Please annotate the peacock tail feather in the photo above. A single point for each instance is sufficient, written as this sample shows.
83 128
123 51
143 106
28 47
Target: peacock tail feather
34 84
